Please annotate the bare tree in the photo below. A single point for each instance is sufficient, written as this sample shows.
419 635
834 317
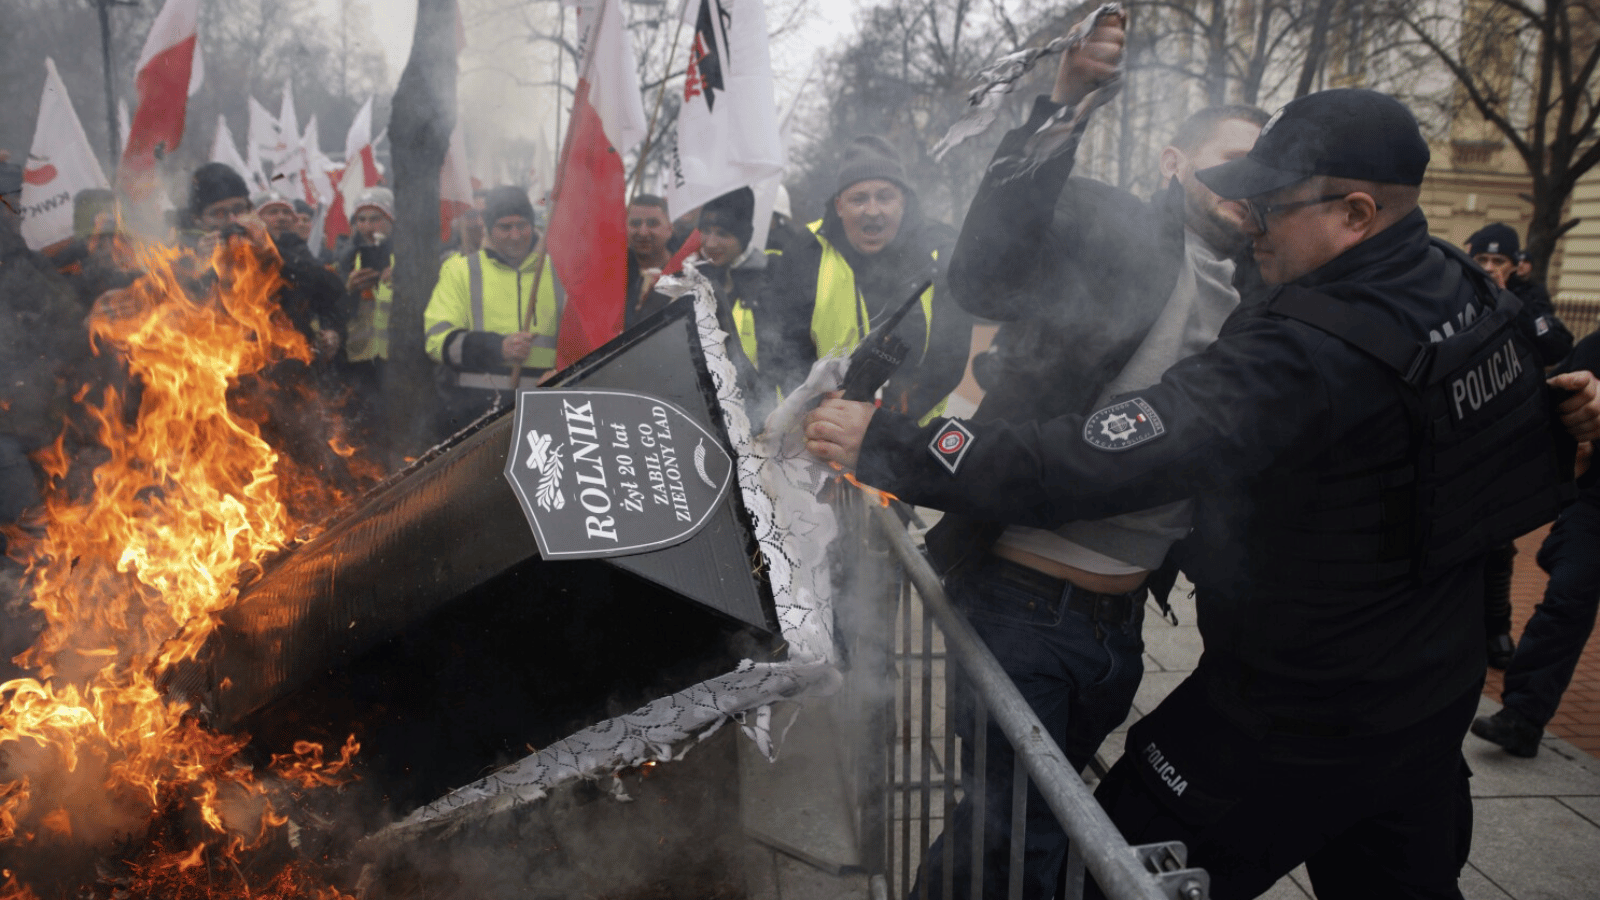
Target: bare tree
1529 72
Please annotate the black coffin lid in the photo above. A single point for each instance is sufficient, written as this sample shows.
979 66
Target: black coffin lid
450 525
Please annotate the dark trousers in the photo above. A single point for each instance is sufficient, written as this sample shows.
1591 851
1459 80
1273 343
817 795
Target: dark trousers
1372 816
1079 676
1556 634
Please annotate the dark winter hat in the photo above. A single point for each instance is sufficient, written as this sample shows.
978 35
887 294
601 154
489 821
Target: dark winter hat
1345 133
734 212
868 157
1495 237
507 201
305 209
212 182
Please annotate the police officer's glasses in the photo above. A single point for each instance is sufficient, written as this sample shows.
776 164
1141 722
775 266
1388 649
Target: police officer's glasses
1259 211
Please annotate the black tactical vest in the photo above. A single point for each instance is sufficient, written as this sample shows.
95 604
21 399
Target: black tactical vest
1489 463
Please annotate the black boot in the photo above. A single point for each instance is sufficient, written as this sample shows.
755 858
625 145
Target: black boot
1511 730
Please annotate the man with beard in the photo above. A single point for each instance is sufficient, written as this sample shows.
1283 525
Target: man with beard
1098 293
851 269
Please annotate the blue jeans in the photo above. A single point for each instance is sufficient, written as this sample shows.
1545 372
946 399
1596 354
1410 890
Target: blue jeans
1078 675
1555 636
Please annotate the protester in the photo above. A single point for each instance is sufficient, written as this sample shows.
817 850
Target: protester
1324 722
1089 309
314 293
851 269
651 243
484 319
283 397
367 266
736 270
98 258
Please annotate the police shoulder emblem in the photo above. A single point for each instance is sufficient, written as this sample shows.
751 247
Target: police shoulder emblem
1123 425
950 444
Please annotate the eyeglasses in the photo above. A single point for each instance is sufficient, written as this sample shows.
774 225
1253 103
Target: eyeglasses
1259 212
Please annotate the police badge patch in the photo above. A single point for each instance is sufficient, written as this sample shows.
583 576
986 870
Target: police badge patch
950 444
1123 425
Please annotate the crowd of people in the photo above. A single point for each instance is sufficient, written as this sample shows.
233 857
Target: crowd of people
1268 375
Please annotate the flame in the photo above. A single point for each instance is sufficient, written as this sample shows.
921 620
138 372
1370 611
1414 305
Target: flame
131 575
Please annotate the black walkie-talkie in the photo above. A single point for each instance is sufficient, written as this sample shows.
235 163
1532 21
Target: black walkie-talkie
879 353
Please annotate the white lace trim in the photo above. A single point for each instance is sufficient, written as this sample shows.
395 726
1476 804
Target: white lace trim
779 483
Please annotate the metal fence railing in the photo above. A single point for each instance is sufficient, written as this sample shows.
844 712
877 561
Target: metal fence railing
903 656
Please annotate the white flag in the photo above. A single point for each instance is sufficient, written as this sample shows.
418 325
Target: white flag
288 130
262 141
727 128
60 164
223 150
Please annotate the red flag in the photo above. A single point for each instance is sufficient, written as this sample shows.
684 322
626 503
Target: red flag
588 239
690 245
163 77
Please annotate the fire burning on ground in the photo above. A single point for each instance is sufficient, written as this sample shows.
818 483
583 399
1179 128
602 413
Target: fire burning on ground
107 786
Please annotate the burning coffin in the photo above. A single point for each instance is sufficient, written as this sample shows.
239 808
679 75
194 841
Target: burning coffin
451 638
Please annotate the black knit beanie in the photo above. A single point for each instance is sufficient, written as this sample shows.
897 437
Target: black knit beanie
868 157
733 212
212 182
507 201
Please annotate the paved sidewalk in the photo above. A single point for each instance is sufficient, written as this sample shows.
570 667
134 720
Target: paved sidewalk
1578 718
1536 833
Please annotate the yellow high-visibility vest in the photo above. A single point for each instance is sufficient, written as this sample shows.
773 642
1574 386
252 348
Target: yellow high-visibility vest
840 319
477 293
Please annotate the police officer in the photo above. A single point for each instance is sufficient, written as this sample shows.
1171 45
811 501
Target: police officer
851 269
1324 722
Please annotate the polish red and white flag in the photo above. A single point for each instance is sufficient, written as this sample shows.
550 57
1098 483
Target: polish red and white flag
588 240
359 173
455 182
60 164
167 73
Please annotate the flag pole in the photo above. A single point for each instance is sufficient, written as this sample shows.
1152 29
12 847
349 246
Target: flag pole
540 251
650 132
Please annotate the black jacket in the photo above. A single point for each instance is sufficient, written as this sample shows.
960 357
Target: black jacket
1549 333
1077 272
785 348
312 291
1273 402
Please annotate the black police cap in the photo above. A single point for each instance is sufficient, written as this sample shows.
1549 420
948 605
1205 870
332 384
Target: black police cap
1345 133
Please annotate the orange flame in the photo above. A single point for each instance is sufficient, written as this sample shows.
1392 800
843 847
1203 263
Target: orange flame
130 579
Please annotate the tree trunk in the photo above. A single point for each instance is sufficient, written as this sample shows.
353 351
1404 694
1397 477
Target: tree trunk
423 116
1544 229
1317 51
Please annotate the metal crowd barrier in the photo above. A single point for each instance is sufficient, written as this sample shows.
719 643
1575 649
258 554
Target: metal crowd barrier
1581 316
908 761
